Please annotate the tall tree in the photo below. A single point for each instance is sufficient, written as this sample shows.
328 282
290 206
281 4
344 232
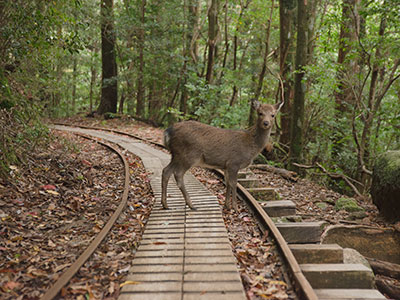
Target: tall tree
296 140
109 83
349 30
347 67
140 44
287 18
212 38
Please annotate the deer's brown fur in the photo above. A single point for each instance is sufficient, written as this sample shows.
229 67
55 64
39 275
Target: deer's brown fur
195 144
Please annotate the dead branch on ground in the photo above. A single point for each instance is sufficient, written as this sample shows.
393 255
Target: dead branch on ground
347 179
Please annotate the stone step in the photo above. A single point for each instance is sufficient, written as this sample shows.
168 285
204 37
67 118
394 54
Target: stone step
301 232
353 294
249 182
279 208
317 253
245 174
339 276
263 193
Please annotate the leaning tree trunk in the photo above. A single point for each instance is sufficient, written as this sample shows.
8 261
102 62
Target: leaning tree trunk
109 84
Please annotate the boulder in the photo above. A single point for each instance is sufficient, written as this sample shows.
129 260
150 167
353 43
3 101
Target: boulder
385 189
347 204
373 242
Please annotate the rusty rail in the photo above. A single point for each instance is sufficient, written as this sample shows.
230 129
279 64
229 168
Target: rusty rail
303 287
71 271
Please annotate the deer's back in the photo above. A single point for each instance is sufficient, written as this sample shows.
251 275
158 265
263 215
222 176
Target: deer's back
196 143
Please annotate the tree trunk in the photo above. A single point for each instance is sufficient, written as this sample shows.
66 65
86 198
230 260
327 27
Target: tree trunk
265 57
192 10
296 141
140 84
109 83
74 76
195 12
212 38
93 75
287 19
235 48
344 97
261 75
349 30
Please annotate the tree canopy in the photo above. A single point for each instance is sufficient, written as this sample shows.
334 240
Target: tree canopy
164 61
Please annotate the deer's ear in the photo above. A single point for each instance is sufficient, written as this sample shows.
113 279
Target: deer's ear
278 106
256 104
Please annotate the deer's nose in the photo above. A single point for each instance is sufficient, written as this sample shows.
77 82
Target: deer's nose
266 123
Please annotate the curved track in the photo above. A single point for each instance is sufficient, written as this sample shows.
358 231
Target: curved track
302 285
74 268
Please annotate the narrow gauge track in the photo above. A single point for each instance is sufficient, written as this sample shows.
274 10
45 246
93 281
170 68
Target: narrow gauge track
302 286
328 289
74 268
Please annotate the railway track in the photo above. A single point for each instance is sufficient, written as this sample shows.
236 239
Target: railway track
317 271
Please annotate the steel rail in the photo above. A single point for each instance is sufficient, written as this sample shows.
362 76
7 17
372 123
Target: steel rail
71 271
302 286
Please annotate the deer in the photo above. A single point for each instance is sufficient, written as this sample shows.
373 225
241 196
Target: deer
192 143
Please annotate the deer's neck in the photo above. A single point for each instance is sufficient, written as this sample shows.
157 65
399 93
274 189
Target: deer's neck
261 136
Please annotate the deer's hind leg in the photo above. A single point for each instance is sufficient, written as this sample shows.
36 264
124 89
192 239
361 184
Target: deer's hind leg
178 174
231 186
228 203
166 174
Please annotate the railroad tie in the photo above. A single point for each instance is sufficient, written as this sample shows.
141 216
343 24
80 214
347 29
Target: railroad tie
183 254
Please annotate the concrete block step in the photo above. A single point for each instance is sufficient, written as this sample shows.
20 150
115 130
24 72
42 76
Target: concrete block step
353 294
246 173
301 232
280 208
338 276
317 253
249 182
263 193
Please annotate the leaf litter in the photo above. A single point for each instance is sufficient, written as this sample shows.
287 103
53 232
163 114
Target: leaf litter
52 209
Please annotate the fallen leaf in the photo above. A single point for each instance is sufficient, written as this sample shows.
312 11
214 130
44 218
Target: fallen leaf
159 243
11 285
128 282
48 187
52 192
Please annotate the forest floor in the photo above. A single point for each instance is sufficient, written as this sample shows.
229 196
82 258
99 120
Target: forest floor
51 209
307 194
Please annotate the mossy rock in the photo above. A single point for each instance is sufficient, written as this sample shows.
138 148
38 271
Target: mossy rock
321 205
385 189
347 204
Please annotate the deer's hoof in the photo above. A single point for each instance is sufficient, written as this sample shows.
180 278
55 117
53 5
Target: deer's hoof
193 208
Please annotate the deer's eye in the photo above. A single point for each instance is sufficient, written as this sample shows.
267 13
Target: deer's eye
260 114
273 116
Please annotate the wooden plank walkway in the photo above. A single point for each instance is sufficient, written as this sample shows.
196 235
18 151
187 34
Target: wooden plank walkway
184 254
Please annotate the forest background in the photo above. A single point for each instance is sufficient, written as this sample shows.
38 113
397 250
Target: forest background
335 63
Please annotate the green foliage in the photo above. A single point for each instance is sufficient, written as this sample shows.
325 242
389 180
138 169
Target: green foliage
387 169
50 64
